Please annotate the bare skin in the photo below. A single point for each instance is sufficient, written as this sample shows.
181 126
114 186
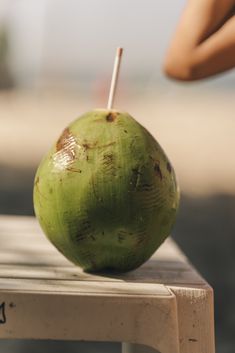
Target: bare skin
204 42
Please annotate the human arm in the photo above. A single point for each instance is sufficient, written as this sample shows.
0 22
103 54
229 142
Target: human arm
204 41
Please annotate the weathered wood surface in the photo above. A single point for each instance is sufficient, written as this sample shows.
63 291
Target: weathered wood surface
164 304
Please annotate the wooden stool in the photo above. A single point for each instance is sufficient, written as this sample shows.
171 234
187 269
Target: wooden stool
163 306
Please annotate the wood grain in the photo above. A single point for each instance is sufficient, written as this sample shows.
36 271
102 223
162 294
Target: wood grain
165 304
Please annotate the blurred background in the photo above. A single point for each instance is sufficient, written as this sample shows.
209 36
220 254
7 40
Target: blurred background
56 58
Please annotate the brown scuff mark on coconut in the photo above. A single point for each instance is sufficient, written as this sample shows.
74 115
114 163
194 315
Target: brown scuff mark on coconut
135 178
93 187
88 146
120 238
146 187
65 149
67 143
80 237
157 170
109 162
169 167
122 234
108 158
62 141
74 170
111 117
36 183
84 231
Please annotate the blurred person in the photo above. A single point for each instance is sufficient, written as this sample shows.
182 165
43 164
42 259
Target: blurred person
204 42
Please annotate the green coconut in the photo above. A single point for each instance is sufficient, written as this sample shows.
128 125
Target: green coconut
106 194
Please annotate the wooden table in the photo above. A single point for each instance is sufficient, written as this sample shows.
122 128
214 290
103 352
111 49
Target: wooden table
165 304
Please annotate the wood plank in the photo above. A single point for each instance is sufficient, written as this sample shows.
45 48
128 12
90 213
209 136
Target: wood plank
84 287
151 320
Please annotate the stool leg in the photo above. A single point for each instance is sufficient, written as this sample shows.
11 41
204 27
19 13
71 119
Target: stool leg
136 348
